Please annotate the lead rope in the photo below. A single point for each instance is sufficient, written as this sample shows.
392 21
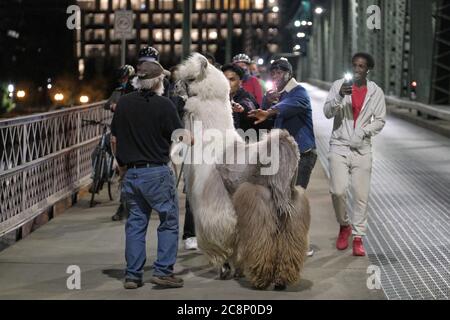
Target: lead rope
191 120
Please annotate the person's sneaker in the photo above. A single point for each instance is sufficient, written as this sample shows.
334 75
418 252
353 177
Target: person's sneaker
132 283
358 247
120 213
310 252
167 281
190 243
116 217
342 240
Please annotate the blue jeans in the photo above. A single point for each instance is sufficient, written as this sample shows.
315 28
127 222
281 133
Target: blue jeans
145 189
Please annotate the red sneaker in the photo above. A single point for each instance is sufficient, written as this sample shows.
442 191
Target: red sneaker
358 247
342 240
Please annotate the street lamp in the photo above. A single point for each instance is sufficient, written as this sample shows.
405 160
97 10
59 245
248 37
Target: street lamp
275 9
297 23
301 35
260 61
304 23
21 94
84 99
10 88
318 10
297 47
59 97
309 23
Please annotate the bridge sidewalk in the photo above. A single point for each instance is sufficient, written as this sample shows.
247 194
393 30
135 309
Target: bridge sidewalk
35 268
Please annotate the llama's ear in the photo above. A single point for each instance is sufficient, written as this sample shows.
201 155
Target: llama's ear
203 67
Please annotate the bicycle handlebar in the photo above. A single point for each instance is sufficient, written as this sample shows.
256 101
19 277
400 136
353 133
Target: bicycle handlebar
95 122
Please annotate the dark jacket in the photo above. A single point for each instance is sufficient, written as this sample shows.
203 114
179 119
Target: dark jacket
117 93
295 115
248 102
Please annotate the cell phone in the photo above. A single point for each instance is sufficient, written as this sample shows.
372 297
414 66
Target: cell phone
348 79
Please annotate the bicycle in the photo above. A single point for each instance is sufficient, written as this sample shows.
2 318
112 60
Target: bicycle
103 165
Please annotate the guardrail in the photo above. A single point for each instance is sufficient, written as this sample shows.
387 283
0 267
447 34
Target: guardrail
44 158
440 112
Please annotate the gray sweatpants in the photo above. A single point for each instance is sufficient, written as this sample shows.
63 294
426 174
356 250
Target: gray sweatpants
354 171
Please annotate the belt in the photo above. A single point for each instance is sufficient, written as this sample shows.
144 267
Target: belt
143 165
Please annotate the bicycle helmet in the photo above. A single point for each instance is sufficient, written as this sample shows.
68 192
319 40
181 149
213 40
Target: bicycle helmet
125 71
148 54
242 57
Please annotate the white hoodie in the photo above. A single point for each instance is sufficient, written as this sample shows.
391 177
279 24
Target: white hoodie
370 121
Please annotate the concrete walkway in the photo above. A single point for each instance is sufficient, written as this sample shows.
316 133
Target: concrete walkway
35 268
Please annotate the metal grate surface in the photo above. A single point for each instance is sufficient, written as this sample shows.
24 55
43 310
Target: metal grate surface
409 217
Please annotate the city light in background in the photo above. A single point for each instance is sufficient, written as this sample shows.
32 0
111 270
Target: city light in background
21 94
59 97
84 99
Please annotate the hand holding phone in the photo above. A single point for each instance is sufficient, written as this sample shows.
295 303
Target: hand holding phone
346 88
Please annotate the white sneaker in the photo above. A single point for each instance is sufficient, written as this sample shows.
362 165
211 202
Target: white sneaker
310 252
190 244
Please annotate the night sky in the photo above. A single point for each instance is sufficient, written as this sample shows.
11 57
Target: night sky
44 48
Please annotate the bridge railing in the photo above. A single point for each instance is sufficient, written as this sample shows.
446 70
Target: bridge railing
44 158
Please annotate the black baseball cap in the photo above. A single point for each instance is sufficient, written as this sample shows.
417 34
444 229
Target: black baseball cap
235 68
281 64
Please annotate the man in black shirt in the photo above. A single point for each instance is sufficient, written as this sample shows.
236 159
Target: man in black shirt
142 128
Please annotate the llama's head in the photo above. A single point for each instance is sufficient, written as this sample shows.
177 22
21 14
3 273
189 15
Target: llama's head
196 77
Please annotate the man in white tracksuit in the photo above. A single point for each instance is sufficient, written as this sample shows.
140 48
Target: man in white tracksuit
359 111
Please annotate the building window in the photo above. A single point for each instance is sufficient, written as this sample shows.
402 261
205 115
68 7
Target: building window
201 4
167 33
145 34
178 18
95 50
157 35
99 19
144 18
116 5
132 50
138 5
194 35
166 4
259 4
237 18
224 33
89 19
178 34
114 50
213 35
212 48
157 18
211 18
104 5
273 18
178 49
165 48
99 35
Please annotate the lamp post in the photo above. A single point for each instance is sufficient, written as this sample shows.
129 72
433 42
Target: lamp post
187 28
229 33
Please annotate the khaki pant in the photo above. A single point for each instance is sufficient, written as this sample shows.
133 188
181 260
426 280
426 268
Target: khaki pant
354 171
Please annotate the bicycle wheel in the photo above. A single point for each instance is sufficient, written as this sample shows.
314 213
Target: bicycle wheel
97 176
113 181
